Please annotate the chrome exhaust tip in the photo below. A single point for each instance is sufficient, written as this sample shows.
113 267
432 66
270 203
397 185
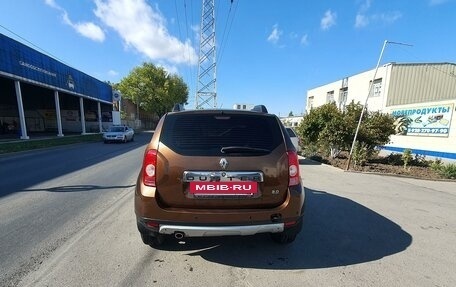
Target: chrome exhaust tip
179 235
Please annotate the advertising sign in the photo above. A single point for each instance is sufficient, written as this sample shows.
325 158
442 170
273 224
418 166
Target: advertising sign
424 120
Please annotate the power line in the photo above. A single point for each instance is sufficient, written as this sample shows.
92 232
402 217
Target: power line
420 60
186 21
223 44
177 17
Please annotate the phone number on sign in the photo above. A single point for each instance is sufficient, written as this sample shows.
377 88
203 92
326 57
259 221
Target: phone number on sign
428 130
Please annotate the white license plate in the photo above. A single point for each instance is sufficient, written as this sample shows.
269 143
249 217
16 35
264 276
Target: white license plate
224 188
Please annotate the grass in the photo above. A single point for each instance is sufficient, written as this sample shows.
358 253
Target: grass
24 145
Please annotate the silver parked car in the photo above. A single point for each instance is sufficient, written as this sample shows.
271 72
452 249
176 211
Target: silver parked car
119 134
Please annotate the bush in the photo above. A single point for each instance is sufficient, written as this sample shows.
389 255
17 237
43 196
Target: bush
407 157
310 150
360 154
448 171
394 159
436 165
420 160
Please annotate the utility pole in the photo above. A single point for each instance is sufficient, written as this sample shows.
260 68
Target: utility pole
367 98
206 95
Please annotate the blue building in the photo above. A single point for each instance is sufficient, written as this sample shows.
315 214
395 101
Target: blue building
39 94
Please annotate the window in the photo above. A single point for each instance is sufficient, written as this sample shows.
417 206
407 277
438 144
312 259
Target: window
343 94
377 88
310 102
205 134
330 97
345 83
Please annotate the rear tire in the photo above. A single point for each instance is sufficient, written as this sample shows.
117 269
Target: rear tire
288 235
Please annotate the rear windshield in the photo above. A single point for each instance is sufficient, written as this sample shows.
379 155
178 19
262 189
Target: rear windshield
116 129
221 134
291 132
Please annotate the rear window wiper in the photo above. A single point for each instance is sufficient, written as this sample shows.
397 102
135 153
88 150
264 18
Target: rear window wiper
243 149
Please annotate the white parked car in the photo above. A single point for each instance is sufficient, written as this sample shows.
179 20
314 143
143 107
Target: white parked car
119 134
294 139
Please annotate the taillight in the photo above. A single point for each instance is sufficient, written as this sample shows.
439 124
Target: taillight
289 223
152 224
293 168
149 167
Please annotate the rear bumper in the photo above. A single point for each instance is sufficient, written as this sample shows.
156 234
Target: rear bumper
203 231
114 139
152 218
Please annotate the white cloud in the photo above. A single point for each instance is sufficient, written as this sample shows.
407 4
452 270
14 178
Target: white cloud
388 18
113 73
143 28
171 69
86 29
52 4
196 32
328 20
90 30
361 21
365 6
363 18
275 34
305 40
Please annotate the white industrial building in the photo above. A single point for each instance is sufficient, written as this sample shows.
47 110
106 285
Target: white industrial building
421 95
243 106
292 121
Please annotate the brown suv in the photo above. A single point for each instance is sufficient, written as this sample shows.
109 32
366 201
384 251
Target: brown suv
218 173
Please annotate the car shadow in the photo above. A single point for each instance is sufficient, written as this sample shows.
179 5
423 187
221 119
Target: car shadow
337 232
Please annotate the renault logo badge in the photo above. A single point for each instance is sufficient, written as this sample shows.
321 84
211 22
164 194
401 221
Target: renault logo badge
223 163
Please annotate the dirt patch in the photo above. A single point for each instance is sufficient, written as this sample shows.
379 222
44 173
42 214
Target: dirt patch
421 172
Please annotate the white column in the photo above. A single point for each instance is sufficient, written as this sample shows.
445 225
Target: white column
100 125
57 113
83 122
20 107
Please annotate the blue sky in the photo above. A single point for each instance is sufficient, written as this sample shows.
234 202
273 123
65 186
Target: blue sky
268 52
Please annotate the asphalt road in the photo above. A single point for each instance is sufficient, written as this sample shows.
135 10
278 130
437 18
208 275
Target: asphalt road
67 219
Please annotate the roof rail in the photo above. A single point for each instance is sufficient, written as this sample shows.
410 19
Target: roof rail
178 108
260 109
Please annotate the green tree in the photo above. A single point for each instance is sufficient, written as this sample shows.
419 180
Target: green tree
333 130
334 136
154 89
376 130
324 127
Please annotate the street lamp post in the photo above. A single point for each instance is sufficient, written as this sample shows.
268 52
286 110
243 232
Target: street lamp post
138 99
367 97
137 106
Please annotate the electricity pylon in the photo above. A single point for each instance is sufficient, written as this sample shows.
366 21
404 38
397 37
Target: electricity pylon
206 95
